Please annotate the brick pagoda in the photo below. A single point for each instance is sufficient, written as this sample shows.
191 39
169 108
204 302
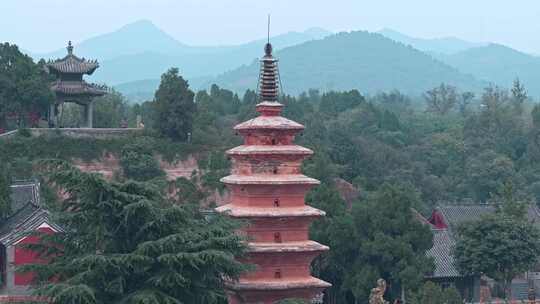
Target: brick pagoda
268 190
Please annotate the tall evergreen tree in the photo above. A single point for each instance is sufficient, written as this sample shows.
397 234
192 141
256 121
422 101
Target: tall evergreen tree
124 244
519 96
174 106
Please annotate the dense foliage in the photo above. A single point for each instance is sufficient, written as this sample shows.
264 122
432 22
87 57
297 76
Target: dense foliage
380 238
174 106
24 89
123 243
110 111
138 162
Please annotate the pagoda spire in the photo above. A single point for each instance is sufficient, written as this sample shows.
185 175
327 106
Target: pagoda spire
269 74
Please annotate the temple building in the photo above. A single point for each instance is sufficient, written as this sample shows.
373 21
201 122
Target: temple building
71 87
27 215
267 190
444 221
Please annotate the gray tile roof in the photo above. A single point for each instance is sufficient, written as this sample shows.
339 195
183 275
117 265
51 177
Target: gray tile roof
455 215
73 64
26 213
441 252
23 193
444 239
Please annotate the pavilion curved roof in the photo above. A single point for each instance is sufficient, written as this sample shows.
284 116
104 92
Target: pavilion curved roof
72 64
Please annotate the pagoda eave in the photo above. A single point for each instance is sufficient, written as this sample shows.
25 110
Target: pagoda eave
269 123
306 246
251 212
261 285
269 150
267 179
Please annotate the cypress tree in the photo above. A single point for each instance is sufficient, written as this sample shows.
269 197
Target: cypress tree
174 106
124 243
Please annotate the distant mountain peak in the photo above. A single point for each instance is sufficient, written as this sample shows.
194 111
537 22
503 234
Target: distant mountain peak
443 45
317 32
142 24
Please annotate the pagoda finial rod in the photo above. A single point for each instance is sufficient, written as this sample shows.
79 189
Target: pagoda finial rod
268 46
268 29
70 48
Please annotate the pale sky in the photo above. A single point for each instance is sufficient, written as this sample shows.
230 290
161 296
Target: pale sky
45 25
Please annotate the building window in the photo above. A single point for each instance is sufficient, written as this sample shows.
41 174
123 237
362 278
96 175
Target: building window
277 237
277 274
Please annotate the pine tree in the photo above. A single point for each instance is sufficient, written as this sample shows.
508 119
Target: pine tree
122 243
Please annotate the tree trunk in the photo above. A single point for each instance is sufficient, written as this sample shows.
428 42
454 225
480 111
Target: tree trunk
508 290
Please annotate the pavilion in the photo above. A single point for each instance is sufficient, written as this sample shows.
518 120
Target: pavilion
71 87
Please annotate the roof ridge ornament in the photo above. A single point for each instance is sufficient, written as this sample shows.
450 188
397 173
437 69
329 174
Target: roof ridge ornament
70 48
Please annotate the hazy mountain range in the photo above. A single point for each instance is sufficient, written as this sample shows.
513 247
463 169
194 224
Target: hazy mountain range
366 61
133 57
140 50
444 45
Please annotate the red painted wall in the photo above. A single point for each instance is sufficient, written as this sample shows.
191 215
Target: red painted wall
24 256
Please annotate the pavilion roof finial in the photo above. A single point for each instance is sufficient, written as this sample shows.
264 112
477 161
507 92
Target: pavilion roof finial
70 48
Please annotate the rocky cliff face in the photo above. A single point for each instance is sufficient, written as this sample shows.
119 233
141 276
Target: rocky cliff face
109 166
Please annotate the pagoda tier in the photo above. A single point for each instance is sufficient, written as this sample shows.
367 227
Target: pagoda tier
268 190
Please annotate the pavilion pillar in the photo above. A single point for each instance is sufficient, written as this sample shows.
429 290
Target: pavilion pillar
89 113
52 116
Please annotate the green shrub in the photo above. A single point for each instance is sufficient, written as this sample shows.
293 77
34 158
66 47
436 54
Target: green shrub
432 293
139 163
187 191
